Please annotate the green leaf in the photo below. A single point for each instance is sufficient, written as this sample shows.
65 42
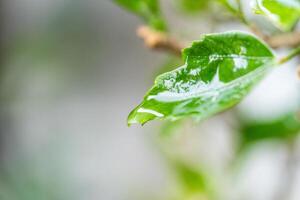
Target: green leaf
282 13
283 128
219 71
149 10
194 182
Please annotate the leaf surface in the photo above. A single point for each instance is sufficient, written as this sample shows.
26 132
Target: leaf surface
219 71
282 13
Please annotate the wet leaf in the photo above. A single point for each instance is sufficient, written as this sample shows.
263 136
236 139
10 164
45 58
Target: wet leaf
219 71
283 13
148 10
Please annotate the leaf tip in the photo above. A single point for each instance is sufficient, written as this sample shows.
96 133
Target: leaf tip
142 115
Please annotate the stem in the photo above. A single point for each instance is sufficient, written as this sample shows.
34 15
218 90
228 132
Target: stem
160 41
284 40
288 39
290 56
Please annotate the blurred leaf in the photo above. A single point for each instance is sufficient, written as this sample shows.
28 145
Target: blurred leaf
282 13
194 5
194 183
219 71
191 179
169 128
149 10
283 128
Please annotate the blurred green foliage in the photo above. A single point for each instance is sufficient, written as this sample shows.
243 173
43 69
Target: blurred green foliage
284 128
149 10
193 6
283 14
170 128
194 183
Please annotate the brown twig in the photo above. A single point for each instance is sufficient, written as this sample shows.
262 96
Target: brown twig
278 41
284 40
298 73
256 31
160 41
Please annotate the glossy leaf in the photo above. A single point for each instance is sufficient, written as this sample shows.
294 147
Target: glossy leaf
149 10
219 71
283 13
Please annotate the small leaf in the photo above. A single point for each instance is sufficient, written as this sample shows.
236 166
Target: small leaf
149 10
282 13
219 71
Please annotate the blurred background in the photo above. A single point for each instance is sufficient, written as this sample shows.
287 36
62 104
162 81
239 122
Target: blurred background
72 70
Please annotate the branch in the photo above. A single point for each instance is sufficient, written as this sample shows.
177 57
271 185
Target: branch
284 40
278 41
289 39
159 41
298 73
291 55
